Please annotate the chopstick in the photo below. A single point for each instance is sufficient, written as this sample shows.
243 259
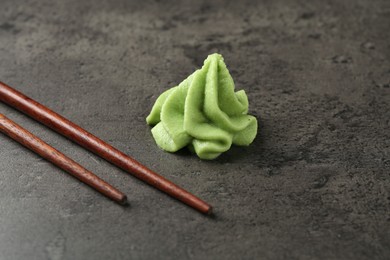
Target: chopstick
32 142
92 143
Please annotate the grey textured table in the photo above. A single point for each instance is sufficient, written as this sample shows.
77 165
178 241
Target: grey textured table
314 184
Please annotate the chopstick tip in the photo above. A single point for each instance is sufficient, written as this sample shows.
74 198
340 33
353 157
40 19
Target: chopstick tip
123 201
209 211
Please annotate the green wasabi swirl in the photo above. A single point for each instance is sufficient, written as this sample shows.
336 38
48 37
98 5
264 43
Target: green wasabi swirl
204 113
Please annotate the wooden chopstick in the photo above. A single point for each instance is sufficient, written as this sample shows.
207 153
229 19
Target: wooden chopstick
80 136
32 142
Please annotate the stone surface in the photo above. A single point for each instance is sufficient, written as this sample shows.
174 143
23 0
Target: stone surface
314 185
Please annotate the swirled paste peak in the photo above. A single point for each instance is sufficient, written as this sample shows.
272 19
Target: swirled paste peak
203 112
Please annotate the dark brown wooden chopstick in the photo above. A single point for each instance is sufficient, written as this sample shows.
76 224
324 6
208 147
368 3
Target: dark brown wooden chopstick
80 136
27 139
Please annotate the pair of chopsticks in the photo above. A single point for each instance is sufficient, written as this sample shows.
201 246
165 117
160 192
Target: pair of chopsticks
92 143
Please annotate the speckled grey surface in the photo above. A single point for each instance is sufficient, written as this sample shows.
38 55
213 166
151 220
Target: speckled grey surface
314 184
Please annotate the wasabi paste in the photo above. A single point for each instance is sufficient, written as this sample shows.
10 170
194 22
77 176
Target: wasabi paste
203 113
